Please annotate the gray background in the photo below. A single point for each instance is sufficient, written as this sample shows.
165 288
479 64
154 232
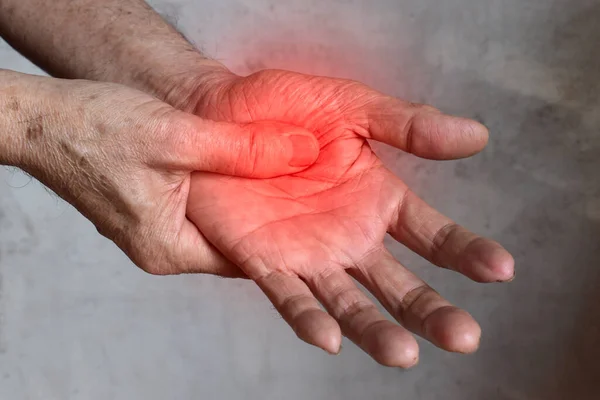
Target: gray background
79 321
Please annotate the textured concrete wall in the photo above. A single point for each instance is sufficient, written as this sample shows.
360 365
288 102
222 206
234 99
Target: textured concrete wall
78 321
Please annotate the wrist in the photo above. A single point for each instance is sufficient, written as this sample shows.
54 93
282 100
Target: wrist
15 112
168 68
144 52
184 83
183 86
29 108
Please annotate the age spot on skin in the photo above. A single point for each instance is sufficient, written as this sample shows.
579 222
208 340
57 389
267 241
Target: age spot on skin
35 130
102 128
13 104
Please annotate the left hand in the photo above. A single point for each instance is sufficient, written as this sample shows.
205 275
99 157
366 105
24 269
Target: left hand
301 237
124 159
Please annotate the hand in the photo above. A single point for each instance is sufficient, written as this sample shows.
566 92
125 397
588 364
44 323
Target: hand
301 237
124 160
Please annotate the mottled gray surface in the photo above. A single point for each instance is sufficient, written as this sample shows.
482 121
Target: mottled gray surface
78 321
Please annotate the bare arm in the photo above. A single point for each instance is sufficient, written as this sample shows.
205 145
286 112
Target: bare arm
122 41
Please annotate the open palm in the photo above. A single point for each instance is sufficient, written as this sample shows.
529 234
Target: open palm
300 237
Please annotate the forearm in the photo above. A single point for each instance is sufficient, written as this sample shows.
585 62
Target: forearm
123 41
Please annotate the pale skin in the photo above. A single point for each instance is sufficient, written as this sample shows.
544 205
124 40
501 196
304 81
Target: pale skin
300 234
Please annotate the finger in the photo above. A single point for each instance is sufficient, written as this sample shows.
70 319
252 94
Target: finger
299 308
448 245
422 130
256 150
361 321
417 307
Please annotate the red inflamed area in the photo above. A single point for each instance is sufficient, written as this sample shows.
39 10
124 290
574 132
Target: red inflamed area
301 236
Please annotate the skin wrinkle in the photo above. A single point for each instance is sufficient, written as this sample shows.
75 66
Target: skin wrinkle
245 101
369 327
426 317
318 111
409 134
255 103
100 185
348 310
439 241
266 224
289 303
280 254
401 209
408 300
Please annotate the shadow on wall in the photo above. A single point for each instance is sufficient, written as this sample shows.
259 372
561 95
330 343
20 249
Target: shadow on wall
542 331
545 330
576 43
578 370
315 41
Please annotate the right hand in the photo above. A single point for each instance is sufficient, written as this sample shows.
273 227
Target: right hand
124 160
301 237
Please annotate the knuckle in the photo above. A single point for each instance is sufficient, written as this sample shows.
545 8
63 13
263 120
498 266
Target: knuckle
441 239
293 302
357 308
411 300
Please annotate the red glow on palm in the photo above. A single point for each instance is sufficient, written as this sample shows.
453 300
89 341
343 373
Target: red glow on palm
307 230
296 221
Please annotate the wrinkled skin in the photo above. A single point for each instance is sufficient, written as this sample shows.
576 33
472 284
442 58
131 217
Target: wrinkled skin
301 237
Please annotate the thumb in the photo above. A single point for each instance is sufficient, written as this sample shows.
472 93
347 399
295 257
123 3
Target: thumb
255 150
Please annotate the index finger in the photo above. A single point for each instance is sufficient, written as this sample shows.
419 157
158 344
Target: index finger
418 129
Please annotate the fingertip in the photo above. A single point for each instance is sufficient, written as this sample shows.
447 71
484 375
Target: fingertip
278 149
479 134
319 329
443 137
330 341
503 264
454 330
471 137
487 262
391 345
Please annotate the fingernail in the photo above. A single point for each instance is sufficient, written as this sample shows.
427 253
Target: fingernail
512 278
304 150
332 353
332 350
